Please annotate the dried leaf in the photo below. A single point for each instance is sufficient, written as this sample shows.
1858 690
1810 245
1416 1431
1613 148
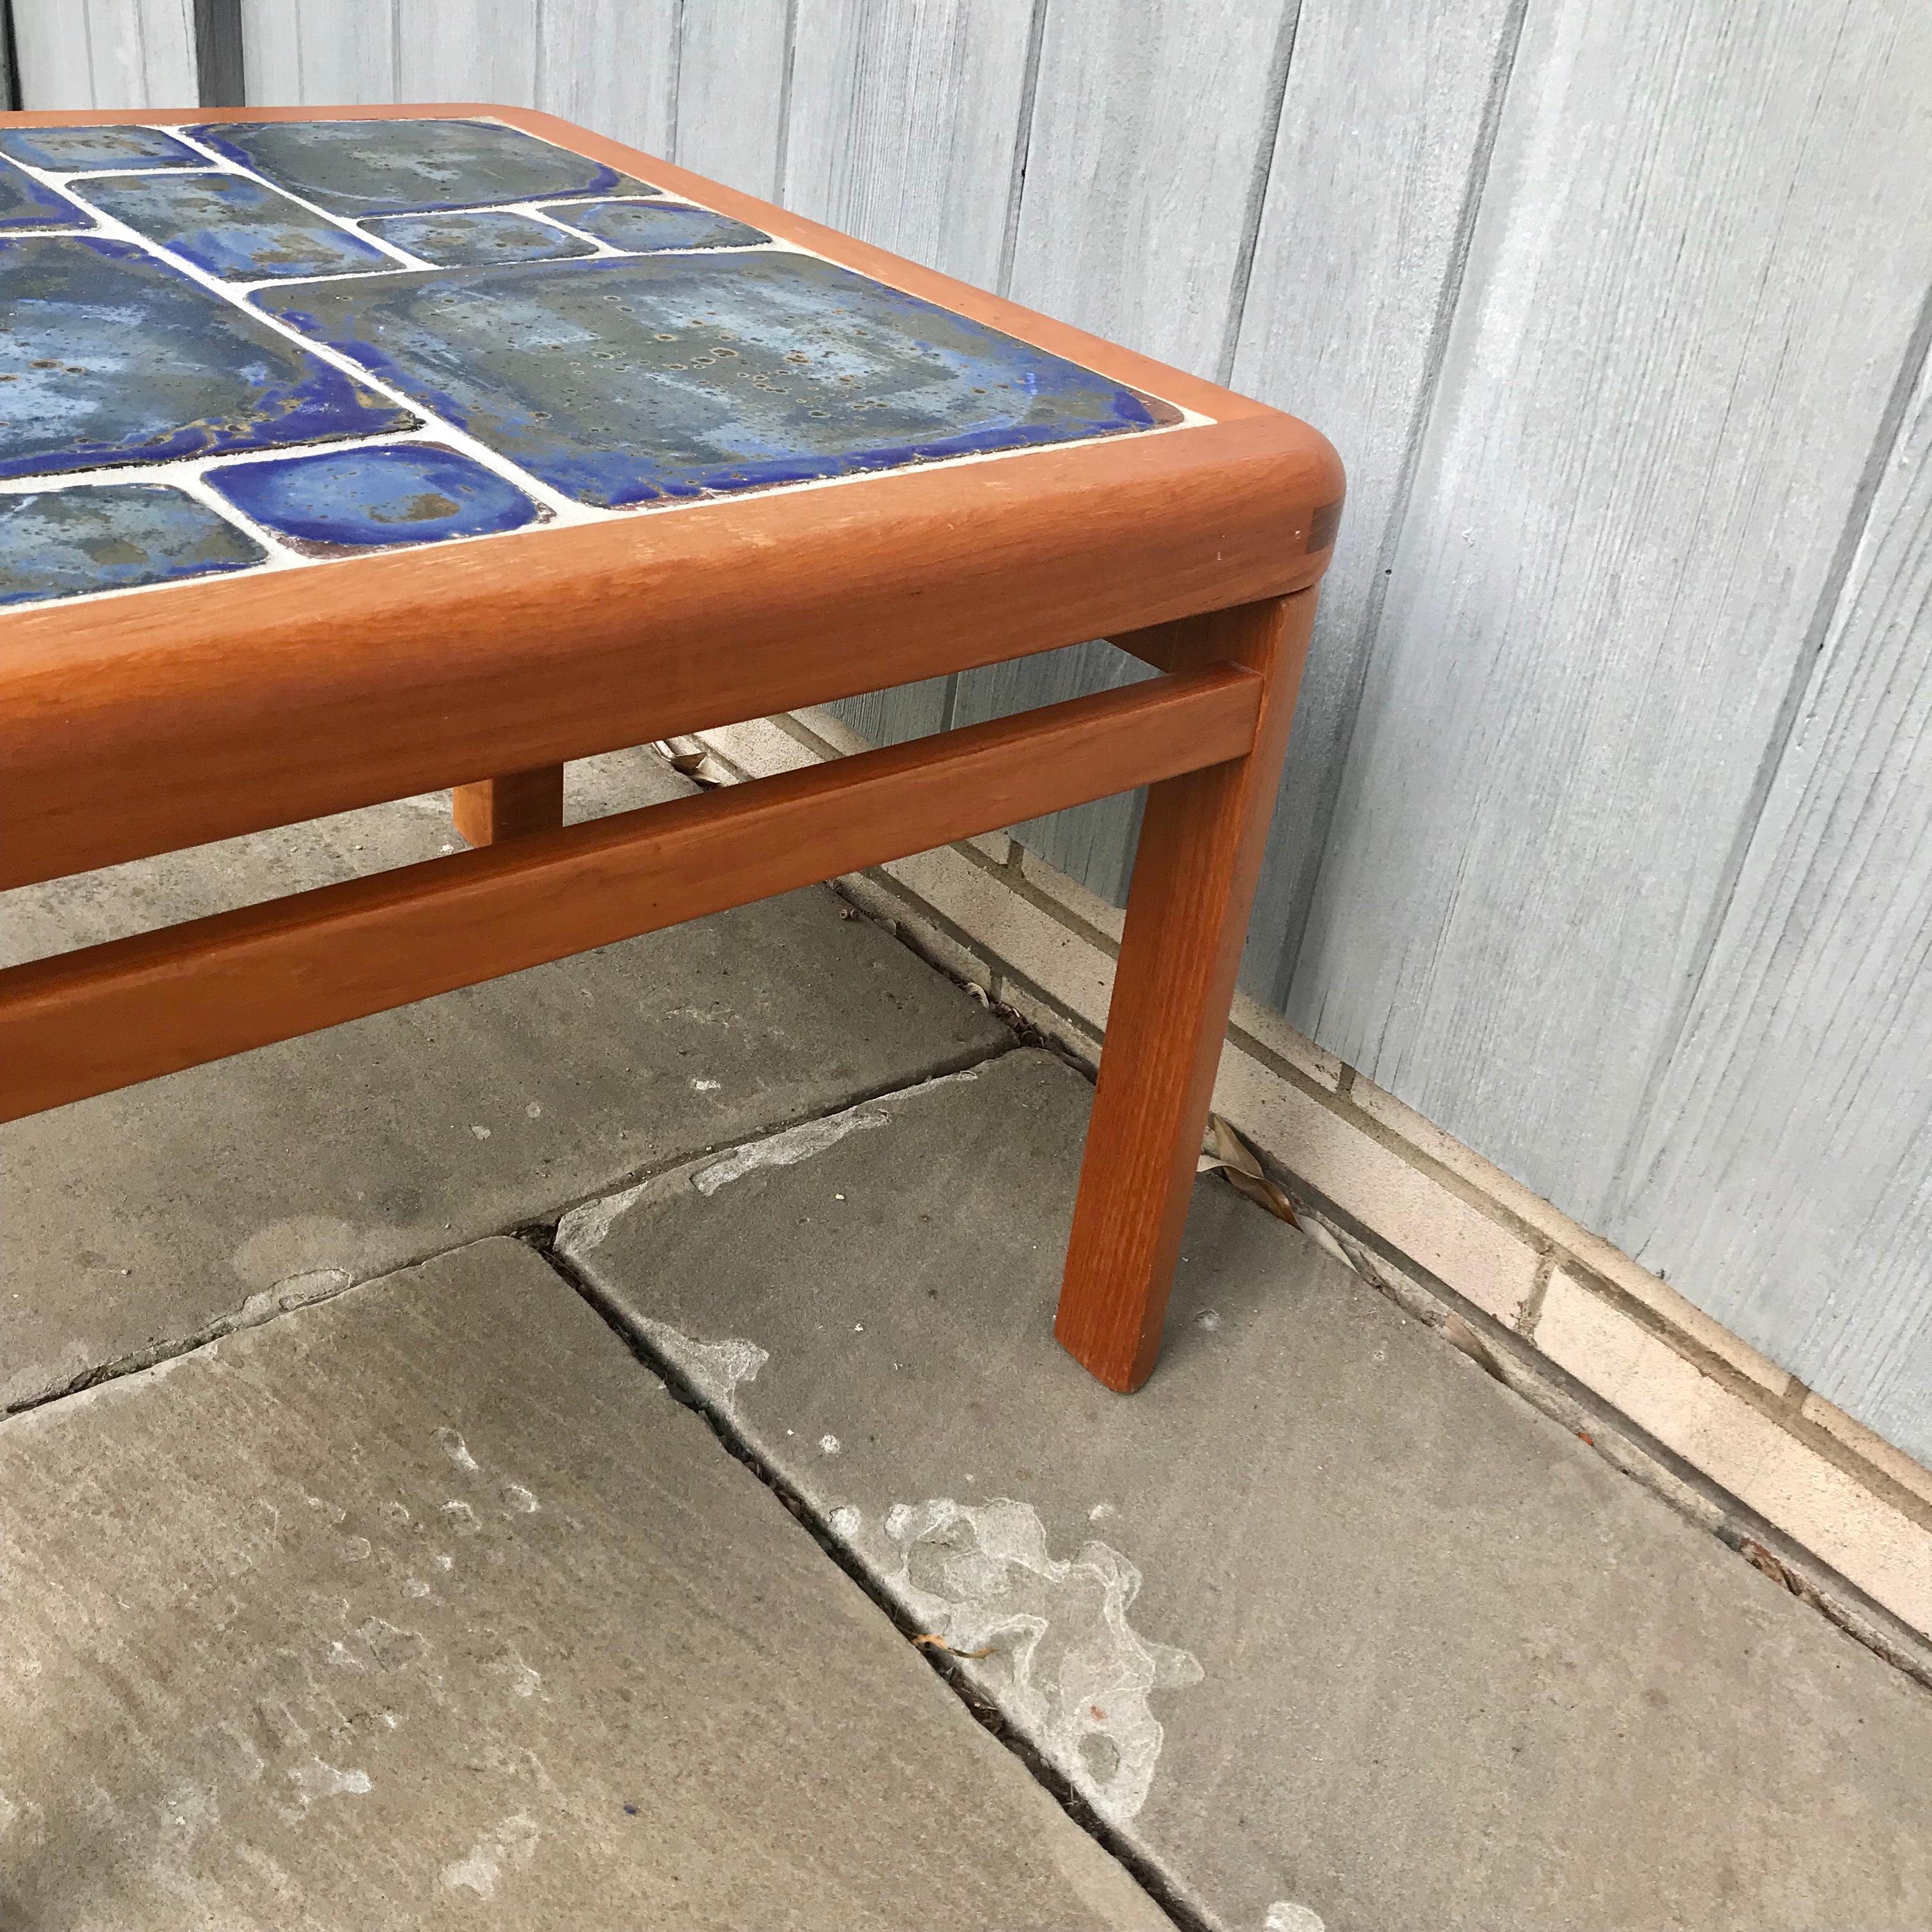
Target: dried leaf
1459 1334
1224 1152
1763 1560
932 1642
695 759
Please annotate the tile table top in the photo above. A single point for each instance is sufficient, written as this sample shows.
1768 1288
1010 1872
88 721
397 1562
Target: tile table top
255 345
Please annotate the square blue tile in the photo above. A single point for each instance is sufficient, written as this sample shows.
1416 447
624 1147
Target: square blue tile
109 356
65 543
66 150
623 381
398 167
234 227
464 238
647 227
347 500
27 203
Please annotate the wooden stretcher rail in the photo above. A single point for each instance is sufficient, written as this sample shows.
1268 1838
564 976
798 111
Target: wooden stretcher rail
109 1015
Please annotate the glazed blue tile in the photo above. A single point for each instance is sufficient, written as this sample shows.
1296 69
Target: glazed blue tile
351 500
234 227
27 203
396 167
67 150
464 239
64 543
645 227
109 356
620 381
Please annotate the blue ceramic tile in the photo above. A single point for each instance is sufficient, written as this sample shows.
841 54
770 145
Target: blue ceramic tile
396 167
66 150
27 203
644 227
233 227
622 381
64 543
109 356
463 240
352 499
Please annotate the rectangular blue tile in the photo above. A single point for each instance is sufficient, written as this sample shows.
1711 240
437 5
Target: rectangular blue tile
464 238
648 227
109 356
340 501
67 150
622 381
65 543
398 167
232 227
27 203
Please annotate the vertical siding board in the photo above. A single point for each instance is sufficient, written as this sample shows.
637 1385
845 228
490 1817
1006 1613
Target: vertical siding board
1149 120
107 53
484 50
1151 125
323 53
1656 406
1380 155
905 119
1783 1177
612 65
732 62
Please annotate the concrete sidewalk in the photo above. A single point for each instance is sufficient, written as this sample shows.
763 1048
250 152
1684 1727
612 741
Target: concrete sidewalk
422 1601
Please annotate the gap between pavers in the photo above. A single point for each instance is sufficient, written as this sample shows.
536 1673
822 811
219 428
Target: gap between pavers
139 1222
1407 1654
427 1605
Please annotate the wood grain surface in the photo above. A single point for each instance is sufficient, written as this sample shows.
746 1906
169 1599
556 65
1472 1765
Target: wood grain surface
132 1009
1200 851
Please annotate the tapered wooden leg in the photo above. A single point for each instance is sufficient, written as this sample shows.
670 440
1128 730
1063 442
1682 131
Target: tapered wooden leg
507 808
1199 855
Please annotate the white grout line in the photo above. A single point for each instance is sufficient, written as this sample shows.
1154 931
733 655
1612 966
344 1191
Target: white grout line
189 473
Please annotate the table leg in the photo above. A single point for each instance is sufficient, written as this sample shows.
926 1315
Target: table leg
1195 869
507 808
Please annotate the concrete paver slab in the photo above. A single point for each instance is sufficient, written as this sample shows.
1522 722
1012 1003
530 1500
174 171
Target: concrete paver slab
143 1219
427 1606
1334 1628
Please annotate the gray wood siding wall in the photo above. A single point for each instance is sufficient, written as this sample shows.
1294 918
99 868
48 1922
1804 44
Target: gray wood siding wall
1604 839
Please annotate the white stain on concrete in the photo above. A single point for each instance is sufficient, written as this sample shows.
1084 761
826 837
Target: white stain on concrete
520 1499
828 1445
315 1780
456 1449
713 1369
785 1150
588 1226
1288 1917
1063 1661
524 1680
510 1847
462 1518
706 1086
846 1522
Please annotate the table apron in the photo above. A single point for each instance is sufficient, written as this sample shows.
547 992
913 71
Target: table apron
108 1015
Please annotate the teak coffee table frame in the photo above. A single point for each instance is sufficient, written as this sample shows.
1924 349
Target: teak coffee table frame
139 724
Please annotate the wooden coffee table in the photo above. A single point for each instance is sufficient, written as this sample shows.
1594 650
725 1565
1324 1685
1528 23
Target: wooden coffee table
349 454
